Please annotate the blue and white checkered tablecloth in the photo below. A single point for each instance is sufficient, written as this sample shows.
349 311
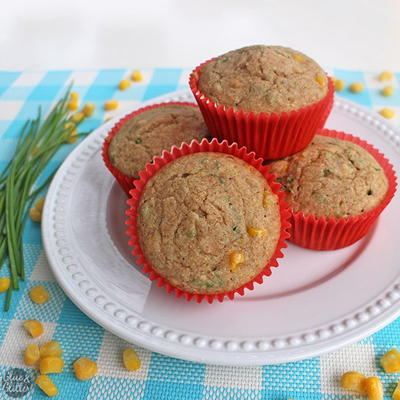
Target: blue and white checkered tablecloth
160 377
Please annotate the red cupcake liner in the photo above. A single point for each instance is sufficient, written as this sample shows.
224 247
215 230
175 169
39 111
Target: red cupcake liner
125 181
183 150
270 136
321 233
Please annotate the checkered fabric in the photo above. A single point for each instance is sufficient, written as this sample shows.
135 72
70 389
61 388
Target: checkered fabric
160 377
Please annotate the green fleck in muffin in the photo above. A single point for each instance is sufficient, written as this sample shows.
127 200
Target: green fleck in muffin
331 178
208 222
263 79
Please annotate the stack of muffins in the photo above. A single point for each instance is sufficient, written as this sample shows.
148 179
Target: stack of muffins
208 217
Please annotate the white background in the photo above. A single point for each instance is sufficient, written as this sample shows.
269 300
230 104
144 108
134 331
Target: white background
45 34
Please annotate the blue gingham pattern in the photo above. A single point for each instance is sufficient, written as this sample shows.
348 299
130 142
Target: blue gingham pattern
160 377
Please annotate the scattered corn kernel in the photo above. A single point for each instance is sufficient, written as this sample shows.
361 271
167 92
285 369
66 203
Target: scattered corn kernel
51 349
131 360
353 381
78 117
391 361
51 365
33 327
88 109
85 368
235 259
4 284
385 76
373 388
111 105
298 57
320 80
136 76
74 96
73 105
339 84
124 84
356 87
256 232
39 294
387 112
35 214
396 393
31 354
387 91
39 204
47 385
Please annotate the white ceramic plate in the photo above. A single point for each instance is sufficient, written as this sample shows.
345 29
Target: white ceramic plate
313 303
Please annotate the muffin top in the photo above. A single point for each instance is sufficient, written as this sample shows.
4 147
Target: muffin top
208 222
263 79
331 178
147 134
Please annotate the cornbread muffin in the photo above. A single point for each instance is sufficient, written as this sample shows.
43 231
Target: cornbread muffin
263 79
147 134
208 222
331 178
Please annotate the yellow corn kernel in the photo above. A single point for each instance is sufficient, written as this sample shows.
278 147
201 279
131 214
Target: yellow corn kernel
78 117
320 80
31 354
85 368
4 284
256 232
47 385
74 96
298 57
353 381
373 388
111 105
51 365
396 393
131 360
339 84
235 259
136 76
267 198
391 361
356 87
387 112
39 294
385 76
73 105
51 349
124 84
88 109
39 204
387 91
33 327
35 214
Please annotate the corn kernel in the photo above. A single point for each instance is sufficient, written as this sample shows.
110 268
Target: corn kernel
85 368
339 84
136 76
111 105
51 365
31 354
35 214
385 76
39 204
373 388
74 96
78 117
4 284
73 105
124 84
235 259
353 381
356 87
33 327
47 385
256 232
387 112
131 360
51 349
39 294
320 80
391 361
298 57
267 198
396 393
88 109
387 91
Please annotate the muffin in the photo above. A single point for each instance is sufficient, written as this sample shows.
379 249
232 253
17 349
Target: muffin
207 220
336 188
271 99
147 132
